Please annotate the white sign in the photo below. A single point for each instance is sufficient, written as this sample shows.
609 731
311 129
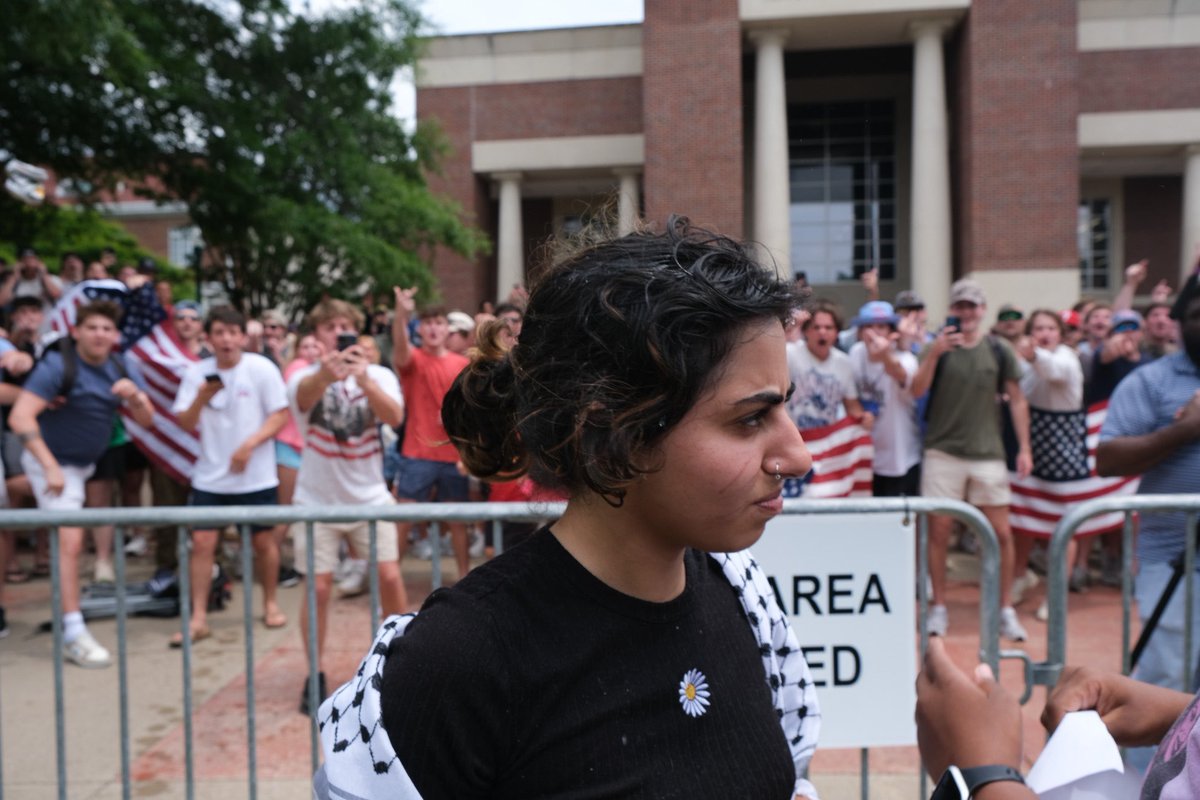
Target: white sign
846 583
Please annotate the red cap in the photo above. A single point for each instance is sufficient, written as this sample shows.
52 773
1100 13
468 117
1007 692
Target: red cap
1069 318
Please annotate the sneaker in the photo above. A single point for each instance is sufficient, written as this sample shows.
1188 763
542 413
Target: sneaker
103 573
938 621
3 623
87 652
288 577
1043 612
1078 582
478 544
1022 585
354 581
137 546
1010 626
422 550
322 693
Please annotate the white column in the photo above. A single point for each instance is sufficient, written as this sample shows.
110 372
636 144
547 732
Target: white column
628 201
1190 250
510 245
930 255
772 194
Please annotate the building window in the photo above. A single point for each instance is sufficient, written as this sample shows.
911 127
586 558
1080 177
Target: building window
843 189
1095 240
181 242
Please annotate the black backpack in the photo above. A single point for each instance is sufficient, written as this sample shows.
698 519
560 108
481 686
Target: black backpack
65 347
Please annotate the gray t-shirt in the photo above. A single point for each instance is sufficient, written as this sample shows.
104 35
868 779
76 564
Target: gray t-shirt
78 431
964 419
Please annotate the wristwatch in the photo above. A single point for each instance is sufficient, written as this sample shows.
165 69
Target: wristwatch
960 784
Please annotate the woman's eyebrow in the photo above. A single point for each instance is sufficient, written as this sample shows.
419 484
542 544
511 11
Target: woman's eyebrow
768 397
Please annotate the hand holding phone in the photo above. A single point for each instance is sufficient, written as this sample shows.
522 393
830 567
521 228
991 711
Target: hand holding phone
346 340
214 379
954 322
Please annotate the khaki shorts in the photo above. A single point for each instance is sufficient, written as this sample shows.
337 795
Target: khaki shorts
73 494
326 537
980 483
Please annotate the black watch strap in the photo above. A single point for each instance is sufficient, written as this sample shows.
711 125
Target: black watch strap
975 777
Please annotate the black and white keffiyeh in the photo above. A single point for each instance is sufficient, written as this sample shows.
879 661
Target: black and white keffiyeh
360 761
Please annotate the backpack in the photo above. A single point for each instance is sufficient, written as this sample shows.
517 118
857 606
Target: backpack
1008 433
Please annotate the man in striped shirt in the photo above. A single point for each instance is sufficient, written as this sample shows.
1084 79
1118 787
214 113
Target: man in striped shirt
339 404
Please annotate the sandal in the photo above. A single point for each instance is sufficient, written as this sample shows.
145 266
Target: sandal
276 620
198 635
16 575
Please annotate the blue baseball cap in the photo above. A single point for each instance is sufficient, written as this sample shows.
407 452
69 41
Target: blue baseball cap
876 312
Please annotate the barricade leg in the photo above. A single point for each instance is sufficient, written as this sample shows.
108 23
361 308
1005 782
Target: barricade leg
248 623
373 574
314 668
122 662
185 614
56 623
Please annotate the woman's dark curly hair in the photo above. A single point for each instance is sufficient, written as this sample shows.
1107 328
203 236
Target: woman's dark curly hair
619 342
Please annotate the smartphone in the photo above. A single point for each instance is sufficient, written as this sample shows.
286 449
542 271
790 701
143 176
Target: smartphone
213 378
346 340
953 322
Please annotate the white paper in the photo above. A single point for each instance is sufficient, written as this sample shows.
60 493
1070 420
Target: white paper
1081 762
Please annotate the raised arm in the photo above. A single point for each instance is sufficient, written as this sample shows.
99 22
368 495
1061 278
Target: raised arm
406 304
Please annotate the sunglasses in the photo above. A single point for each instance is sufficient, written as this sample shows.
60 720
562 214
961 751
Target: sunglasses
187 317
1010 316
273 325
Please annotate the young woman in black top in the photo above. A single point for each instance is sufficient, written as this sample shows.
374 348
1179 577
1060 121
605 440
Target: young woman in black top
630 649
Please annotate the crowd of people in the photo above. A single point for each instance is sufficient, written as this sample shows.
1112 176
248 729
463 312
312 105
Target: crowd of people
926 389
627 416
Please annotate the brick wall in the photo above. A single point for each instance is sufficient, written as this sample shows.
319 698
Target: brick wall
462 282
692 112
1154 206
1016 159
593 107
1127 80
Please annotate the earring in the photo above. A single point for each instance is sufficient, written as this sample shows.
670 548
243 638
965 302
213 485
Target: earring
778 474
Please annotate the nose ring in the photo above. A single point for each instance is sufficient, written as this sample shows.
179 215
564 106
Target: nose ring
778 474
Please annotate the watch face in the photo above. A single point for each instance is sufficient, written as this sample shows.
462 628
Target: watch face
951 786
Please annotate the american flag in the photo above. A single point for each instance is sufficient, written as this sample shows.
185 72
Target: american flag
842 456
1039 504
151 347
141 307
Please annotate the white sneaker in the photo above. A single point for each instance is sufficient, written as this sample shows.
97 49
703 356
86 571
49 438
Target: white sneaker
1043 612
478 544
137 546
87 652
355 581
1010 626
938 621
104 573
422 550
1022 585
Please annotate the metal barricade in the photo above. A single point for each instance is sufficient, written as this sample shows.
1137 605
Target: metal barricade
1048 671
243 517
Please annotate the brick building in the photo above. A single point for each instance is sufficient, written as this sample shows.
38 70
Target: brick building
1037 145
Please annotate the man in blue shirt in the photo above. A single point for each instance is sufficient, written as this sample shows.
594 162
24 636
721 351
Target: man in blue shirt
1153 429
65 433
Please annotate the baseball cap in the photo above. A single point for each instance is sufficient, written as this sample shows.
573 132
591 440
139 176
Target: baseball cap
26 251
187 305
1009 313
460 322
1127 320
909 300
147 265
967 291
874 313
1070 318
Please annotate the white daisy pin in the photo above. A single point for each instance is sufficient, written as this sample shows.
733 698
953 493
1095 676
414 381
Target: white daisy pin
693 693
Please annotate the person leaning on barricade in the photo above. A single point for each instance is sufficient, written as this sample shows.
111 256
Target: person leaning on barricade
634 647
64 418
1153 429
969 728
339 404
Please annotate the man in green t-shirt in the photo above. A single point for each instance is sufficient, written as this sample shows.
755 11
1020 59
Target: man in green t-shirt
964 451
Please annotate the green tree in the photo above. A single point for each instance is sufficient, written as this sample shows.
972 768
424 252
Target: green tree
275 127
